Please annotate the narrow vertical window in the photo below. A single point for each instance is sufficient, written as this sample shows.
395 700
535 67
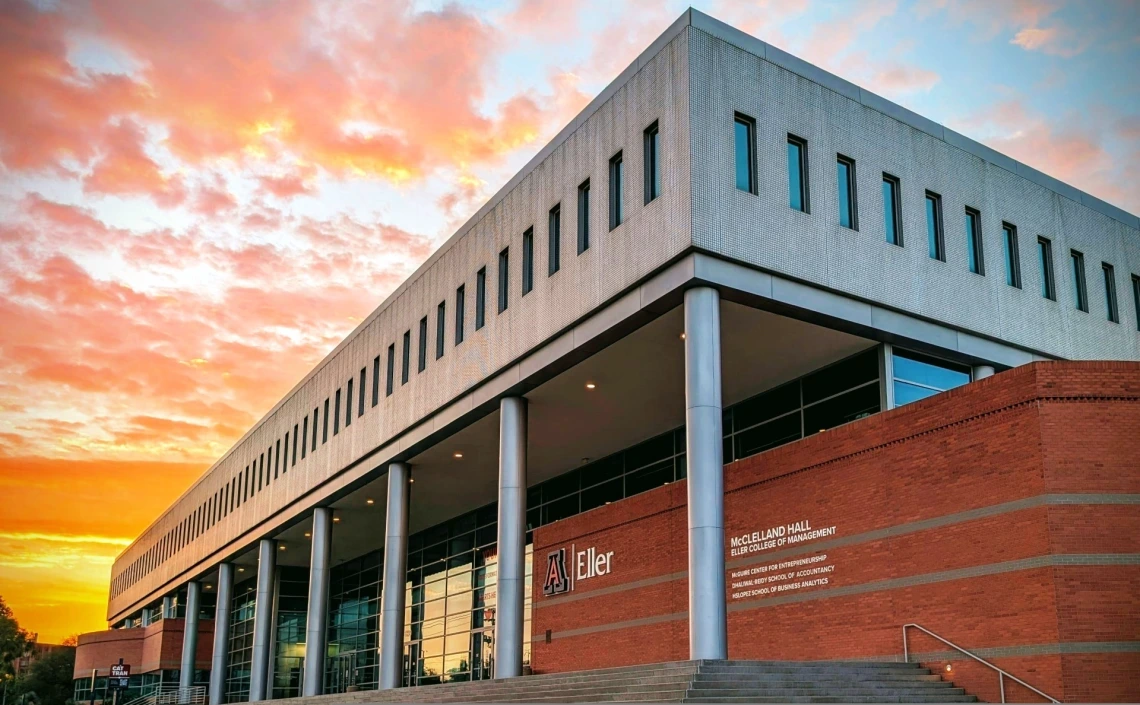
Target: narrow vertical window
1080 292
504 278
1012 255
421 360
407 357
363 383
304 437
375 380
935 238
1111 309
744 152
1045 260
1136 299
460 305
336 414
845 183
974 256
391 381
584 216
440 328
260 480
325 420
652 162
616 211
554 241
348 403
528 261
892 223
316 416
797 174
295 439
480 298
277 459
287 463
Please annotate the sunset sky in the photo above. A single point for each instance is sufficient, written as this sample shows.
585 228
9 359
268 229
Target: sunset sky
198 200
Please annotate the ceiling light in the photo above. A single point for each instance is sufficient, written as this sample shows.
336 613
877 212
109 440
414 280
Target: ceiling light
281 547
370 501
590 385
682 336
336 520
308 535
209 587
458 455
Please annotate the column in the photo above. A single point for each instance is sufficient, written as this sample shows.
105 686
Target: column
395 577
512 538
168 607
982 371
316 623
262 620
708 633
190 635
219 663
146 616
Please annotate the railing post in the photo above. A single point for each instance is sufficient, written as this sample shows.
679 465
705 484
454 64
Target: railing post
906 652
1001 684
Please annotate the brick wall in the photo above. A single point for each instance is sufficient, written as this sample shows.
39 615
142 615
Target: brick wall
1002 515
146 649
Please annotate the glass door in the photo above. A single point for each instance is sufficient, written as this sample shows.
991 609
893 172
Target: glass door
411 664
483 654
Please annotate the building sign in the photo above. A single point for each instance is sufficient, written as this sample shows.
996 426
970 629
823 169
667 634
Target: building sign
777 537
587 564
766 579
120 676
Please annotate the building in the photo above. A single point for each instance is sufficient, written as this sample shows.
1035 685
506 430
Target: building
728 401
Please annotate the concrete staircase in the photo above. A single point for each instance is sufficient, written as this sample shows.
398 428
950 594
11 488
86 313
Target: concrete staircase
696 682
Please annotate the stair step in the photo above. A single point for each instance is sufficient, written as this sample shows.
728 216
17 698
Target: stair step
843 692
820 677
838 699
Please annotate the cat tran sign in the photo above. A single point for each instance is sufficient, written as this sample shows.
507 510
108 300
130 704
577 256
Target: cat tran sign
586 564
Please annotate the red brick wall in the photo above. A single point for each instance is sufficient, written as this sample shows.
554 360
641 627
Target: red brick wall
146 649
1027 435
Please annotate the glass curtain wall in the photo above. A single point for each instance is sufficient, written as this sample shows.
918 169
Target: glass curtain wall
354 625
289 641
241 640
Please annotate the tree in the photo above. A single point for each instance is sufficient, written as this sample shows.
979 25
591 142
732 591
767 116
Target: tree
14 641
49 679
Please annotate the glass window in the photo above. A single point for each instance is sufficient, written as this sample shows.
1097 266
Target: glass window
936 241
440 328
845 176
363 382
422 357
504 278
347 404
375 380
584 216
841 409
304 436
919 376
316 415
391 370
892 223
617 214
460 304
480 298
407 357
797 174
1136 299
652 162
528 261
1012 255
1111 309
974 242
744 152
1080 292
554 241
1045 260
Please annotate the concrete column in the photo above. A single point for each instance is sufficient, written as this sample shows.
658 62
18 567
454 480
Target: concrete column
262 620
316 623
219 663
982 371
190 634
168 607
146 616
395 578
512 538
708 632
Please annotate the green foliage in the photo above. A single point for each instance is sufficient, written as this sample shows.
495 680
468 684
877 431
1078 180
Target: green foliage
49 679
14 641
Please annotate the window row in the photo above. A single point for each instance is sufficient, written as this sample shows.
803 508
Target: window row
799 199
283 454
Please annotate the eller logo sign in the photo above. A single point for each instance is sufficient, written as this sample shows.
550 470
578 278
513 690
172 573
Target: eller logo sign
590 563
557 581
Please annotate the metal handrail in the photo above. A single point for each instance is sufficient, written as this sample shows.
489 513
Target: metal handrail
1002 675
171 694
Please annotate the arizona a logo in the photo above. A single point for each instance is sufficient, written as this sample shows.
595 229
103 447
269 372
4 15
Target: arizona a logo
557 581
